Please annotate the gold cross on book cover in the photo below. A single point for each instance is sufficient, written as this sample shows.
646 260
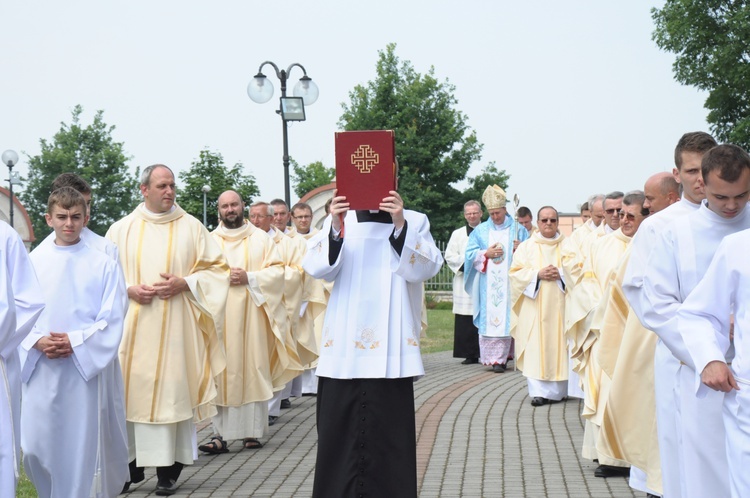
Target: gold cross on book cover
365 166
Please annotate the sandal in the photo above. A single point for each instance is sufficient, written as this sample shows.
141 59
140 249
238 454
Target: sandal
252 444
214 447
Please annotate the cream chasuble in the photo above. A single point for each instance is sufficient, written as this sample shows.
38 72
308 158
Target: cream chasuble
628 430
538 308
583 293
604 260
319 292
255 321
171 349
291 254
315 299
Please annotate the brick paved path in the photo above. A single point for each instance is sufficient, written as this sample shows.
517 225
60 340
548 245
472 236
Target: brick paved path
477 436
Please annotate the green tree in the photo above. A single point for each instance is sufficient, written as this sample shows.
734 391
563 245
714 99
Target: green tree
710 40
312 176
434 144
209 169
91 152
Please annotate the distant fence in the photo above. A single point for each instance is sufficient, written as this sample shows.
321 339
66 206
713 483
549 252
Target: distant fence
443 281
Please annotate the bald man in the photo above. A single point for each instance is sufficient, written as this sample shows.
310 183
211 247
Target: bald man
661 191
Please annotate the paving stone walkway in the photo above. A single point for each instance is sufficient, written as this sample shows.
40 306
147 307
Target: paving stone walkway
477 436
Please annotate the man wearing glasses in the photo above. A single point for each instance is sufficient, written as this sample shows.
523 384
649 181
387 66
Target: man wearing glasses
604 258
538 307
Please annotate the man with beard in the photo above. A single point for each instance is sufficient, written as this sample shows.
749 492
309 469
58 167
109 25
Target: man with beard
253 337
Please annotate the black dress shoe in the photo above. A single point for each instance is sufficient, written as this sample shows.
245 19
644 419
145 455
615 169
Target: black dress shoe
272 419
166 487
285 404
498 368
610 471
539 401
470 361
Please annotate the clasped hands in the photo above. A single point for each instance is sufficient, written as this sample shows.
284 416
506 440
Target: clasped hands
549 273
392 204
170 287
55 345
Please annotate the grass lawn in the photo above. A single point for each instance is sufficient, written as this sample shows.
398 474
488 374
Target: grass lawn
439 331
25 489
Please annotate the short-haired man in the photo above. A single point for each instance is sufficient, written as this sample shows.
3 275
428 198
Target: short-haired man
489 253
674 268
302 216
465 333
606 331
628 361
20 305
585 212
688 154
370 350
538 307
525 218
177 285
90 238
704 321
72 390
253 332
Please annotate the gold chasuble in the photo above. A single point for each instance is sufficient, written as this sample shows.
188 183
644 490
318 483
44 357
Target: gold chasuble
318 291
255 325
626 355
171 349
291 252
583 291
537 324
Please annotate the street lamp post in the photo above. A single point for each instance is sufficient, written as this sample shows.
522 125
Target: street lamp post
206 189
10 158
305 92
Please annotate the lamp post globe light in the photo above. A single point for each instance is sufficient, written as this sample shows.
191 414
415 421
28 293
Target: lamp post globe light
260 90
10 158
206 189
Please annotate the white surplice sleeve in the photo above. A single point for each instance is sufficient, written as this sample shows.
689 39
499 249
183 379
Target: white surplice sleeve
704 319
454 256
316 261
420 258
25 292
96 346
662 297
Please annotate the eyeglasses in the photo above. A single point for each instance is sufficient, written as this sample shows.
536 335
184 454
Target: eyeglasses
630 217
303 217
548 220
610 211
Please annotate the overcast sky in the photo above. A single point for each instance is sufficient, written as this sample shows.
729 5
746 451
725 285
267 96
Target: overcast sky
570 98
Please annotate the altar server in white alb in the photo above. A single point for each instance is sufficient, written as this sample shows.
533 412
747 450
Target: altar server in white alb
688 154
369 356
73 432
705 325
20 305
673 270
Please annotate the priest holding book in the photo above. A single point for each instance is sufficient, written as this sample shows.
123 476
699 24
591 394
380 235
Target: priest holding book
369 355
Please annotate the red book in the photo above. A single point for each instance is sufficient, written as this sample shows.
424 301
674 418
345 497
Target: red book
365 166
